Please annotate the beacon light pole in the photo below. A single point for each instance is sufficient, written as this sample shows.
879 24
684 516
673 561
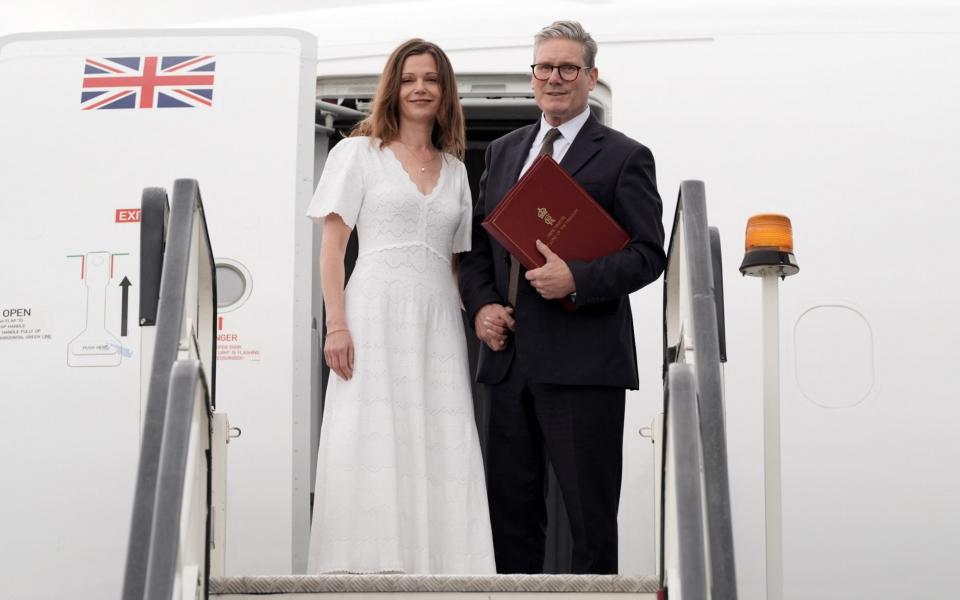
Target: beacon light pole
768 254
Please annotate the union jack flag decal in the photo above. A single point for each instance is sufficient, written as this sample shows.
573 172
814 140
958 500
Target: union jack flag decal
147 82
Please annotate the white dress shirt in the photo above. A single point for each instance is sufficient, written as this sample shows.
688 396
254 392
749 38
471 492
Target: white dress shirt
568 132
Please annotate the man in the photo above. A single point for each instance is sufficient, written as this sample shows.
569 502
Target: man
557 378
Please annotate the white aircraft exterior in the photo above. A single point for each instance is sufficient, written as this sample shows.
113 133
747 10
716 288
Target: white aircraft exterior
845 120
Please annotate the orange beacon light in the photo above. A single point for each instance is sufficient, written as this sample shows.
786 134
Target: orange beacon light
768 248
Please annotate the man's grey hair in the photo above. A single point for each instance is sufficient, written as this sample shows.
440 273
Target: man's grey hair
569 30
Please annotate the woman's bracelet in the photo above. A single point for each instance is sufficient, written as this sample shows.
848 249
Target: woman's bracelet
329 333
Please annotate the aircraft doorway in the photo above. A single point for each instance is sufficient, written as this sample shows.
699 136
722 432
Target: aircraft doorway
493 105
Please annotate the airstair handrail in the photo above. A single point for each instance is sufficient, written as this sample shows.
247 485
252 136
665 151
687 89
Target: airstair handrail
154 219
716 262
177 551
185 329
693 311
684 437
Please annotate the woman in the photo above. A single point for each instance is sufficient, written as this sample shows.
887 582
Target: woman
400 483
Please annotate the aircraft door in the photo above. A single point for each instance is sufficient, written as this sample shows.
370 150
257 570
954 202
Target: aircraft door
493 106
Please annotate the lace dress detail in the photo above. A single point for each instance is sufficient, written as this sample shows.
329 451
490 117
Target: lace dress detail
400 481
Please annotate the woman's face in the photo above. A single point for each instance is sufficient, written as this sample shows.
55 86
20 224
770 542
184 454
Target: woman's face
419 89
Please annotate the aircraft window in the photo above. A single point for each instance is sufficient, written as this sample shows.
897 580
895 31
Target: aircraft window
834 356
233 285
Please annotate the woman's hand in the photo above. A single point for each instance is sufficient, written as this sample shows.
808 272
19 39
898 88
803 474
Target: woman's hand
337 345
338 352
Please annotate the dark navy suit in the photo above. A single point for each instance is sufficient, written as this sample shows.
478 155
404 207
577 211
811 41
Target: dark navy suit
559 384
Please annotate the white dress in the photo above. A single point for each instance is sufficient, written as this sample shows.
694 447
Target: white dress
400 481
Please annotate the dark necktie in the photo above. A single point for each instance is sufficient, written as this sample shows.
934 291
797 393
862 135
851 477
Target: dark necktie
545 148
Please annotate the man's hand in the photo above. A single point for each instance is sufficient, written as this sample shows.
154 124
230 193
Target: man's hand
554 279
492 323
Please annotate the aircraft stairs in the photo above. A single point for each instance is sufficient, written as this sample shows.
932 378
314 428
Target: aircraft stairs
177 551
306 587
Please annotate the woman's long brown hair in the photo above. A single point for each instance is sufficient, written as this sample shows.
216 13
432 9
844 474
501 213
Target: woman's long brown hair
384 120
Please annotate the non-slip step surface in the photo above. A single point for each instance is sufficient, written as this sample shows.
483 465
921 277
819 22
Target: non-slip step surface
385 583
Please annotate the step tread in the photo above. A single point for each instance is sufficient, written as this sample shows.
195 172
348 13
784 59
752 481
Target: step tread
383 583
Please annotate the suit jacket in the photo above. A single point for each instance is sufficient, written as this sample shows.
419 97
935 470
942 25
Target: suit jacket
593 345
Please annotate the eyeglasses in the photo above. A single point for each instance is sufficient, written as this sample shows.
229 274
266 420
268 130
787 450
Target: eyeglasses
543 71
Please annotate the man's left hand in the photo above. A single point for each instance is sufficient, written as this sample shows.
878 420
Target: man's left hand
554 279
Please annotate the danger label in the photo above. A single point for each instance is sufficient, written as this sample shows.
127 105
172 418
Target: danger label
231 346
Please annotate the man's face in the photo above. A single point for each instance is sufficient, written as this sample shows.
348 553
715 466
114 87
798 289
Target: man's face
562 100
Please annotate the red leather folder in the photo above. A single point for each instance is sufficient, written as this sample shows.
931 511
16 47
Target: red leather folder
548 205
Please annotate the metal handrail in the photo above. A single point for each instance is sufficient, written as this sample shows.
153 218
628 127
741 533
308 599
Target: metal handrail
188 271
188 396
716 261
685 439
154 217
691 300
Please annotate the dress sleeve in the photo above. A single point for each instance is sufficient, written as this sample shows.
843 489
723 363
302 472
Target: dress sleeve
461 239
341 187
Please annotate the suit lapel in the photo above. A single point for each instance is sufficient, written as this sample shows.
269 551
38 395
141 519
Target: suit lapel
514 156
517 154
584 146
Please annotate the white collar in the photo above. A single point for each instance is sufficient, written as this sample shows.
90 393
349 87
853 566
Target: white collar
568 129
